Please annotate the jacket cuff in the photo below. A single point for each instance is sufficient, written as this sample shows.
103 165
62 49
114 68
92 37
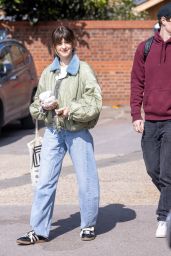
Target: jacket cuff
42 110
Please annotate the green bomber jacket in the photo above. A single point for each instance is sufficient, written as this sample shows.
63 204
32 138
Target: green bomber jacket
79 91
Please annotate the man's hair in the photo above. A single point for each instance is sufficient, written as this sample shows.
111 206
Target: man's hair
160 22
63 32
164 11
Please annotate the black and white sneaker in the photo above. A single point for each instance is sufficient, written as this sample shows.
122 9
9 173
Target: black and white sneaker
31 238
87 234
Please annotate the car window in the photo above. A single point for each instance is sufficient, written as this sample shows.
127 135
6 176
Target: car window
25 54
5 61
17 56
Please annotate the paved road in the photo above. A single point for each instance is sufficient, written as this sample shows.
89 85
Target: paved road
126 224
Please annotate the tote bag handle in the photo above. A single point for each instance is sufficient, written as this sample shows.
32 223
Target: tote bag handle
36 130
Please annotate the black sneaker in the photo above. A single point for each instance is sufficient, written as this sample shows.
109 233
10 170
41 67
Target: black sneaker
31 238
87 234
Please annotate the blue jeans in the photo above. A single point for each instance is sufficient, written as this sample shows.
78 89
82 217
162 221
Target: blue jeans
79 144
156 146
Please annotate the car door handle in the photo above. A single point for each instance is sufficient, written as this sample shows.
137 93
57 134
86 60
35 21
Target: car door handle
13 77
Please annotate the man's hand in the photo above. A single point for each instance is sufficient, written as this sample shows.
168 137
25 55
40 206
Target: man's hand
138 126
63 112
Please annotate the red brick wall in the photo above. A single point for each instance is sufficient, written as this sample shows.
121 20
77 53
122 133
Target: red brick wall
108 46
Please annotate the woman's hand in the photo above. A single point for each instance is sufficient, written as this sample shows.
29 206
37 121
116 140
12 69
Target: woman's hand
49 106
63 112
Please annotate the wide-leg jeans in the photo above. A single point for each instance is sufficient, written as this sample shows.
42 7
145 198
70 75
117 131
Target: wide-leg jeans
156 147
79 144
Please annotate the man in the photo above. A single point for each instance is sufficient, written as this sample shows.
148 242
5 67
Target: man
151 86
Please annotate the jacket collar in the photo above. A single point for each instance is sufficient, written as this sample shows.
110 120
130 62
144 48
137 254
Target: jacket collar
72 68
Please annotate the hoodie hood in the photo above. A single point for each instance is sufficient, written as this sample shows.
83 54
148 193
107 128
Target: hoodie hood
159 39
164 44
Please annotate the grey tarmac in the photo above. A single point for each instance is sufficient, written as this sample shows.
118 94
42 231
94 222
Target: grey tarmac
127 221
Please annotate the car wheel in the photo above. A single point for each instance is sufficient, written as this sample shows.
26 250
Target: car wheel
27 122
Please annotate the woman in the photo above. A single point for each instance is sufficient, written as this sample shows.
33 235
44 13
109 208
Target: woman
69 101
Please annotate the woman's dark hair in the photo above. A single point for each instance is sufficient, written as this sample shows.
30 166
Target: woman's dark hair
65 33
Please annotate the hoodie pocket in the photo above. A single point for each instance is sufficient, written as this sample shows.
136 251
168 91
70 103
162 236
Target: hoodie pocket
157 102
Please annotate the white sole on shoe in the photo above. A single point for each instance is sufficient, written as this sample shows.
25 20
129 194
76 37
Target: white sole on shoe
20 242
87 239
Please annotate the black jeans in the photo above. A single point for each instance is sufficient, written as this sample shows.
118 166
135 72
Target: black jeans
156 147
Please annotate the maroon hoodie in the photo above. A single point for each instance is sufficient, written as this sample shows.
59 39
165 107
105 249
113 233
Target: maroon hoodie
151 81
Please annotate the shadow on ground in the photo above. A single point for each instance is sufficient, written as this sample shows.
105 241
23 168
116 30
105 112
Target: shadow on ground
14 132
108 218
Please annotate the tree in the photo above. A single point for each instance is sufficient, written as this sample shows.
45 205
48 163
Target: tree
123 10
44 10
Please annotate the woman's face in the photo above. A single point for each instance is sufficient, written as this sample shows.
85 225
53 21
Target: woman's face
64 49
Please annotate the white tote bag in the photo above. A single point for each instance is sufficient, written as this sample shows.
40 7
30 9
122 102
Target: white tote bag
34 147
